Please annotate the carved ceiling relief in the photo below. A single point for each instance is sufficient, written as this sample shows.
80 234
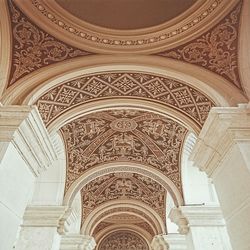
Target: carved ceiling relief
216 50
123 220
159 89
126 210
127 136
33 48
123 240
123 186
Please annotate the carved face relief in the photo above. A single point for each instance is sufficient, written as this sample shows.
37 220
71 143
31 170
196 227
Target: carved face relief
123 186
123 136
123 240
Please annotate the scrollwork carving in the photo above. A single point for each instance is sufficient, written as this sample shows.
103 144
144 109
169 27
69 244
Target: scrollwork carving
153 140
123 240
216 50
33 48
123 186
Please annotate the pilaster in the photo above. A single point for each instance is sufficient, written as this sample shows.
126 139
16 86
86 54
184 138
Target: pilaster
23 127
222 151
42 228
77 242
206 225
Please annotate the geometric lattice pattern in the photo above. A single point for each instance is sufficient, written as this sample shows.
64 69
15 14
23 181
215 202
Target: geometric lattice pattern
137 85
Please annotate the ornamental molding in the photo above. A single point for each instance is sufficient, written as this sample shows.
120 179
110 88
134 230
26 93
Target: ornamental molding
85 35
123 186
117 84
123 136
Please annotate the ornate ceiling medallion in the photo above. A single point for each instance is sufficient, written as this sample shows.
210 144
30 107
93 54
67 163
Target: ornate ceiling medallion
155 141
116 84
123 240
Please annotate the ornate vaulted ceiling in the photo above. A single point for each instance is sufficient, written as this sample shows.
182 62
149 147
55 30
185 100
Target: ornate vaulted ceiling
122 209
124 135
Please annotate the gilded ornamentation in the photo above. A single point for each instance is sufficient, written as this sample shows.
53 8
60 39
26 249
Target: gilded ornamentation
151 140
169 92
131 42
33 48
123 240
216 50
123 186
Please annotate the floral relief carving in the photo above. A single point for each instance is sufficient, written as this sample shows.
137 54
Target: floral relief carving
169 92
33 48
215 50
125 210
123 240
123 135
123 186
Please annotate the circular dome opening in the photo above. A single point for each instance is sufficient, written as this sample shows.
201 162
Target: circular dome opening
125 14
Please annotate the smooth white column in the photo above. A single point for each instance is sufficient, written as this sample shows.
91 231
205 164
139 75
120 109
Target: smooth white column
25 151
223 152
42 228
77 242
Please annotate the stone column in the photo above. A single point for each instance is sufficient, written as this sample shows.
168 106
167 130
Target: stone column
77 242
223 152
42 228
207 230
25 151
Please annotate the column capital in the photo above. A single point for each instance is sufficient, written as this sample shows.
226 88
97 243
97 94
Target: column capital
223 128
23 127
159 242
46 216
176 241
77 242
177 217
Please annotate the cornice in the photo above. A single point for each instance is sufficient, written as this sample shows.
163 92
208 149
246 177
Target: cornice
23 127
53 18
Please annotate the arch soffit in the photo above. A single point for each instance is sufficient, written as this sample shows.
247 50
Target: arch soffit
28 89
109 229
123 186
114 207
117 167
130 231
5 48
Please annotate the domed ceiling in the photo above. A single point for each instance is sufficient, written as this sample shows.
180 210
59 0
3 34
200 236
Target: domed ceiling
125 14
